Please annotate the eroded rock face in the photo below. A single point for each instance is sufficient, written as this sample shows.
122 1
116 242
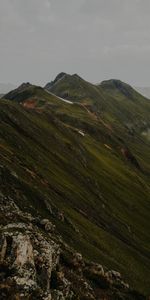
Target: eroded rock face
36 264
97 269
24 250
29 257
47 225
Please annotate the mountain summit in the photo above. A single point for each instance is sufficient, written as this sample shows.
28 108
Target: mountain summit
49 85
74 191
118 85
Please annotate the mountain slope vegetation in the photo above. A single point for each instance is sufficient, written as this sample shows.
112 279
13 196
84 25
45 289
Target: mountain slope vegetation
88 162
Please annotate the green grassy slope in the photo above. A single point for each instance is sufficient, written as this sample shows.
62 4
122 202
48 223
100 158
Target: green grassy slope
89 165
112 100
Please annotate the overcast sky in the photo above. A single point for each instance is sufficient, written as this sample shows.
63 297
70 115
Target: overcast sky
98 39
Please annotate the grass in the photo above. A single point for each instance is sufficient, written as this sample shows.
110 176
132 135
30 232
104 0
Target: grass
103 194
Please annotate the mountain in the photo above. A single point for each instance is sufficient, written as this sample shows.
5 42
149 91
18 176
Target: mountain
113 101
6 87
75 191
145 91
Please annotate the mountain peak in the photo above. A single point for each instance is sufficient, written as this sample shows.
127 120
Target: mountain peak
20 92
114 83
24 85
71 179
118 85
53 82
61 76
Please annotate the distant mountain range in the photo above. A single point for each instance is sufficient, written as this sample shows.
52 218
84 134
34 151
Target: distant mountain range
7 87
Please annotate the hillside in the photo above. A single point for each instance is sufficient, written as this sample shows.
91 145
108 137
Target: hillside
85 167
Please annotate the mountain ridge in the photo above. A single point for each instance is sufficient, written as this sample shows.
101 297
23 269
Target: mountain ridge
85 167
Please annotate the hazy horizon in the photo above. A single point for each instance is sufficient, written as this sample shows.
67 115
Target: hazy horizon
8 86
97 39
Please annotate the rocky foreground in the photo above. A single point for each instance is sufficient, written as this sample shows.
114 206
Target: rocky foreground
35 263
74 191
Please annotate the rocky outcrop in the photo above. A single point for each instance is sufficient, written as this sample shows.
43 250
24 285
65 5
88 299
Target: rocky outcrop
28 257
36 264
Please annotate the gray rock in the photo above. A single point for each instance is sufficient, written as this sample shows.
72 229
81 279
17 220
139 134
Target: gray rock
48 225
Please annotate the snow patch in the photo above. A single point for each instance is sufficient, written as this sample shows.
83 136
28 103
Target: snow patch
62 99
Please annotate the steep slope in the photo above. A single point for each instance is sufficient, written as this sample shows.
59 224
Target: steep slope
88 176
128 105
114 101
71 87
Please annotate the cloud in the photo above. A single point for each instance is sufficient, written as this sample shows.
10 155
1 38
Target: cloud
95 38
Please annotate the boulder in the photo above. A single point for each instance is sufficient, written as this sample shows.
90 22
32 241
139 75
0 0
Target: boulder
49 227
